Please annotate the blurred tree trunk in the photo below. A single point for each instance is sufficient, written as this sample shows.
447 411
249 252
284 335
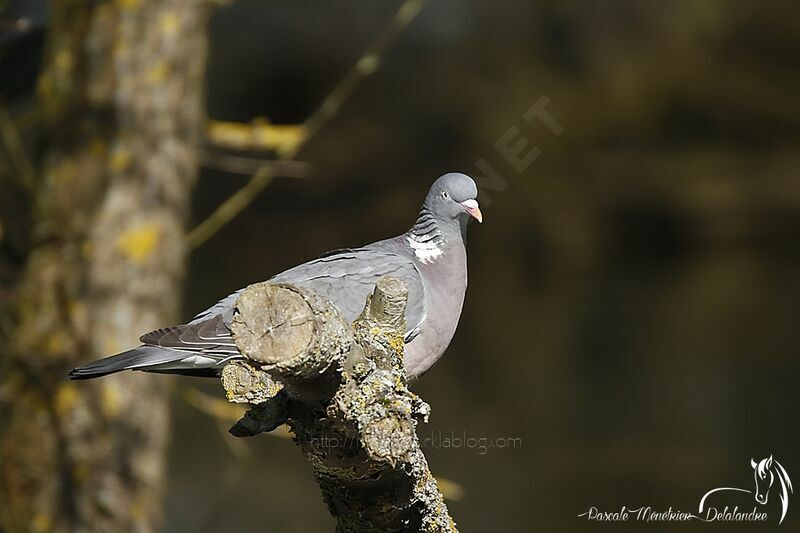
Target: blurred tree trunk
121 95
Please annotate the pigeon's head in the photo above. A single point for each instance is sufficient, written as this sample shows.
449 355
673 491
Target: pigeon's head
454 197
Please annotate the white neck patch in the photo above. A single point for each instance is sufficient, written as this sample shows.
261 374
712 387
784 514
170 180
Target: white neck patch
426 252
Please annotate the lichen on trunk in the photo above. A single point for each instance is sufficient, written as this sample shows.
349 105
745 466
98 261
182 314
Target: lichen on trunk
121 100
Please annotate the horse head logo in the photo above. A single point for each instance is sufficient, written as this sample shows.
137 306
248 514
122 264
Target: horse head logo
766 472
762 471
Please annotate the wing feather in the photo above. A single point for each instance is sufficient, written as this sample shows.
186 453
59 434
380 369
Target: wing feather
345 277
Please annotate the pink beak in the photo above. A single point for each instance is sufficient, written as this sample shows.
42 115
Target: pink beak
473 209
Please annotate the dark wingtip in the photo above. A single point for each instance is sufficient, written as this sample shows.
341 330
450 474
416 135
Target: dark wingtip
107 365
80 373
90 371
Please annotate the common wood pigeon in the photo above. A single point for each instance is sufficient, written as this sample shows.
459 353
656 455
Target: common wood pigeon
430 258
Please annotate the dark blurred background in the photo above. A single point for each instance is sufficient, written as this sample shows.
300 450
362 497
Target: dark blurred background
631 317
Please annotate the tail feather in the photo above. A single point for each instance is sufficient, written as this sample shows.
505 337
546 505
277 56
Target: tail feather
137 359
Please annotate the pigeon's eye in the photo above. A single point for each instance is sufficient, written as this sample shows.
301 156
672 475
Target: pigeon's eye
445 194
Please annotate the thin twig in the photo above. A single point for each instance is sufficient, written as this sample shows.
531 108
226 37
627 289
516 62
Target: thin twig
214 407
220 410
450 489
366 65
237 447
237 164
231 207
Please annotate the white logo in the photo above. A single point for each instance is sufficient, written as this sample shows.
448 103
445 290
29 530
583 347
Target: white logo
769 475
765 472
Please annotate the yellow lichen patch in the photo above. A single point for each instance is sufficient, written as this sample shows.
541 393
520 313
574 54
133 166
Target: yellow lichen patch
66 172
285 138
110 400
274 388
97 147
56 343
260 134
41 522
139 242
66 398
120 159
397 343
139 506
158 72
169 22
63 60
45 85
86 249
81 472
77 311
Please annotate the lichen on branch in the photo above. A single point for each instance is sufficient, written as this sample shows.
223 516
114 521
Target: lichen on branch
342 390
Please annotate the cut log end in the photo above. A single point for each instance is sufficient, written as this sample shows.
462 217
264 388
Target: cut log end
272 323
291 332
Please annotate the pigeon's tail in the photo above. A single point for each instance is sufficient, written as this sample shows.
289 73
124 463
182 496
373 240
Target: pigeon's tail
147 358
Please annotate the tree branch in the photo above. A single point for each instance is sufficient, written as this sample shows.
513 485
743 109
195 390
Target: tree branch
237 164
366 65
260 134
229 209
342 391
